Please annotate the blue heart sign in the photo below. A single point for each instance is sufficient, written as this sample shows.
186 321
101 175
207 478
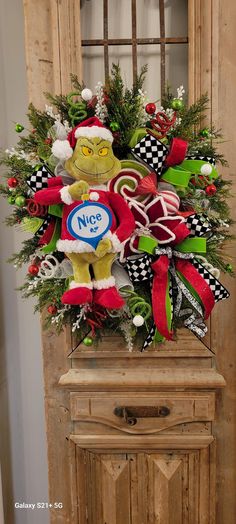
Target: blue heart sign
89 222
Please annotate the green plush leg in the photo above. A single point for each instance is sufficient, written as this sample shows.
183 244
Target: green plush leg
102 267
80 265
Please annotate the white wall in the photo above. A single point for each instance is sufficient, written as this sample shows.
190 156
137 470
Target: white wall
22 436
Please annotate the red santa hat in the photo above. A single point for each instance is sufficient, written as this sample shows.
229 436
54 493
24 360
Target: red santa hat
90 128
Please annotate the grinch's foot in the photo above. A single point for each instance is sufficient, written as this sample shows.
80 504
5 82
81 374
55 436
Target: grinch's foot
108 298
78 294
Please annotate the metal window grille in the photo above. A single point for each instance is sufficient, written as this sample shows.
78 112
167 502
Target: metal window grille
134 41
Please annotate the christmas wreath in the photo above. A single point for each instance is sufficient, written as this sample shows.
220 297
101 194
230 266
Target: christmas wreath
126 208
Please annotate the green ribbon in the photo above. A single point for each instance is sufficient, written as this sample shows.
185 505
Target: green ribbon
177 176
137 136
32 225
192 245
194 166
157 336
147 244
190 288
55 210
189 245
49 248
181 174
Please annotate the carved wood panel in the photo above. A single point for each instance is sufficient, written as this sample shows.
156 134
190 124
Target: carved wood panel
162 487
113 413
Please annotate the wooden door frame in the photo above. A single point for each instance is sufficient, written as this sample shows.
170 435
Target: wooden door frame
53 51
212 63
52 46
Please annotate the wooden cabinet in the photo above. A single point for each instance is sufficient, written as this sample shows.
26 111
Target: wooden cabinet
130 434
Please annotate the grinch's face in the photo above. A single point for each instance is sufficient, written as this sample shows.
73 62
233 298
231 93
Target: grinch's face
93 161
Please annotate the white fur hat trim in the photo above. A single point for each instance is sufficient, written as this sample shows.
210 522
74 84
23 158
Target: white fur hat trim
94 131
61 149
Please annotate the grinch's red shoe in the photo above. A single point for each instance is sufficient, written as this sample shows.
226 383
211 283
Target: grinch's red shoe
77 295
108 298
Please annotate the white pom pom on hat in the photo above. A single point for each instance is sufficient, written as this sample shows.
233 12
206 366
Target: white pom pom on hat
61 149
89 128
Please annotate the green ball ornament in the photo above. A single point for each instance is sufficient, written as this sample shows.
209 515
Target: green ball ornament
204 133
11 200
177 104
88 341
114 126
37 167
20 201
229 268
19 128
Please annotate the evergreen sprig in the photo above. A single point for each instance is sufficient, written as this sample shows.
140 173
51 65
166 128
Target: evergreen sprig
125 105
191 117
29 247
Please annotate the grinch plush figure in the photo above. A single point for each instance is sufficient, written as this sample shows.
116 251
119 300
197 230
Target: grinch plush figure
95 222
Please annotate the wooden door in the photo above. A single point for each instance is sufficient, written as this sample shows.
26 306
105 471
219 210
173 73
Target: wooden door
91 460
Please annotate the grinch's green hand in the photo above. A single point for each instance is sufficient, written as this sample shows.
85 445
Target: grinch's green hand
103 247
78 189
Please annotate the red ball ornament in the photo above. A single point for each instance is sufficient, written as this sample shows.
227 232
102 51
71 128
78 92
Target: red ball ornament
33 270
116 136
106 99
48 141
210 190
150 108
52 310
12 182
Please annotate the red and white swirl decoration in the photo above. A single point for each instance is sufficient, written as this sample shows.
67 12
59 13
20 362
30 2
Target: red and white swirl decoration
137 182
128 179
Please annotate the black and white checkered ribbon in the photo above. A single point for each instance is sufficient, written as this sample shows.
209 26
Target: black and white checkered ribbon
209 159
193 322
152 152
198 225
39 178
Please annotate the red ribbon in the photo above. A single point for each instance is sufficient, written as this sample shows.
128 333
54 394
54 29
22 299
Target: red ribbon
160 285
198 283
35 209
177 152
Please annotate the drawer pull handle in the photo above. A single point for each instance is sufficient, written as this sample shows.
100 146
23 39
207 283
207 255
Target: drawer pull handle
131 413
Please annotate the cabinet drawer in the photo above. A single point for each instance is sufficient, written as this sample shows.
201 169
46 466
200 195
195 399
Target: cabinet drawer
147 413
